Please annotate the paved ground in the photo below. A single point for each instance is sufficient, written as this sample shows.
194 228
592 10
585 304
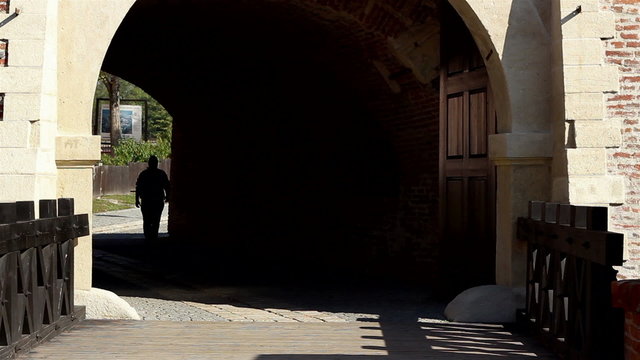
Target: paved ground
123 222
125 265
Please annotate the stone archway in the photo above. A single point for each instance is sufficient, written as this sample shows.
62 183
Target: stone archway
518 41
521 149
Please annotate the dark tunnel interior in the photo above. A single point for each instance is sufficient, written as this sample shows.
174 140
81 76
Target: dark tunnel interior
291 157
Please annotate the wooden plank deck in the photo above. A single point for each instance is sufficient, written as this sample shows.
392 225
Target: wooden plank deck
159 340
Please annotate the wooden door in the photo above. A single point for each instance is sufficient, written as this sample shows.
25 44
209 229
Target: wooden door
467 177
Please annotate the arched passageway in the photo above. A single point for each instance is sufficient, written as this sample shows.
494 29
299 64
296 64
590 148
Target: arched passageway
306 138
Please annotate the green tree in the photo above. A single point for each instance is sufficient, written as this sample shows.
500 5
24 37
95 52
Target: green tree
112 84
159 121
130 150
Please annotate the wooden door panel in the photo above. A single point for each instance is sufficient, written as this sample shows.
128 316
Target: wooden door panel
477 207
456 62
455 126
455 209
468 81
478 123
467 176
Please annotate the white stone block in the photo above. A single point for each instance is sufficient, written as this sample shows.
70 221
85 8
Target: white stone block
45 186
78 148
26 52
16 187
584 106
14 134
46 136
49 108
596 133
20 79
24 27
582 51
587 161
76 182
590 25
18 161
29 6
568 6
46 162
20 107
596 190
591 78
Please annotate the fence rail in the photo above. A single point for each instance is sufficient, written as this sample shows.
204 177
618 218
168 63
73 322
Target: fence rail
120 180
570 261
36 272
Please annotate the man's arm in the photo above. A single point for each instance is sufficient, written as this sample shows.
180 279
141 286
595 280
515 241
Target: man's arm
167 188
138 192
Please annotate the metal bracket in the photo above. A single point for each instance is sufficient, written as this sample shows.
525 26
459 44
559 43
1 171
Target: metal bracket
571 15
11 17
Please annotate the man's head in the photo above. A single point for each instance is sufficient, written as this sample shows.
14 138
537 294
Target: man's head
153 162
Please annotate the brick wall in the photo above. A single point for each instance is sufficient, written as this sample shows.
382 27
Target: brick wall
411 120
4 48
3 62
389 18
626 295
400 233
406 229
624 106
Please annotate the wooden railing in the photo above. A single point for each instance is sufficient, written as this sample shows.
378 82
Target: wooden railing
36 272
569 275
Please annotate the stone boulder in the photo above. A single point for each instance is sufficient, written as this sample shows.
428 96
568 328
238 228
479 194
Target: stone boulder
486 304
103 304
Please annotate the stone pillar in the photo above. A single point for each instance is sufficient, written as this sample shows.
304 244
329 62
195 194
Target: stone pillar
522 171
75 158
84 32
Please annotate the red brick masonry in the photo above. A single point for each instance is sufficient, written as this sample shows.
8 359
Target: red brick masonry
626 295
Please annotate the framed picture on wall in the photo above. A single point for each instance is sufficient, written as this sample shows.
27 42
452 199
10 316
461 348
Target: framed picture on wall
130 121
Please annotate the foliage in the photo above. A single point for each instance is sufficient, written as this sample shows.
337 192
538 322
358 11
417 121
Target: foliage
113 202
130 150
159 121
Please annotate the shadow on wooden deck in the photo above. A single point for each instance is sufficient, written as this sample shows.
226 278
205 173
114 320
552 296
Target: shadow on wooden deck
95 339
391 327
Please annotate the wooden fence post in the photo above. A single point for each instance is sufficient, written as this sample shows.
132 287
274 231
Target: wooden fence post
36 272
569 273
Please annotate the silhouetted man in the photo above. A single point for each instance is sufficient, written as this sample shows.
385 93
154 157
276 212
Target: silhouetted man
152 187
